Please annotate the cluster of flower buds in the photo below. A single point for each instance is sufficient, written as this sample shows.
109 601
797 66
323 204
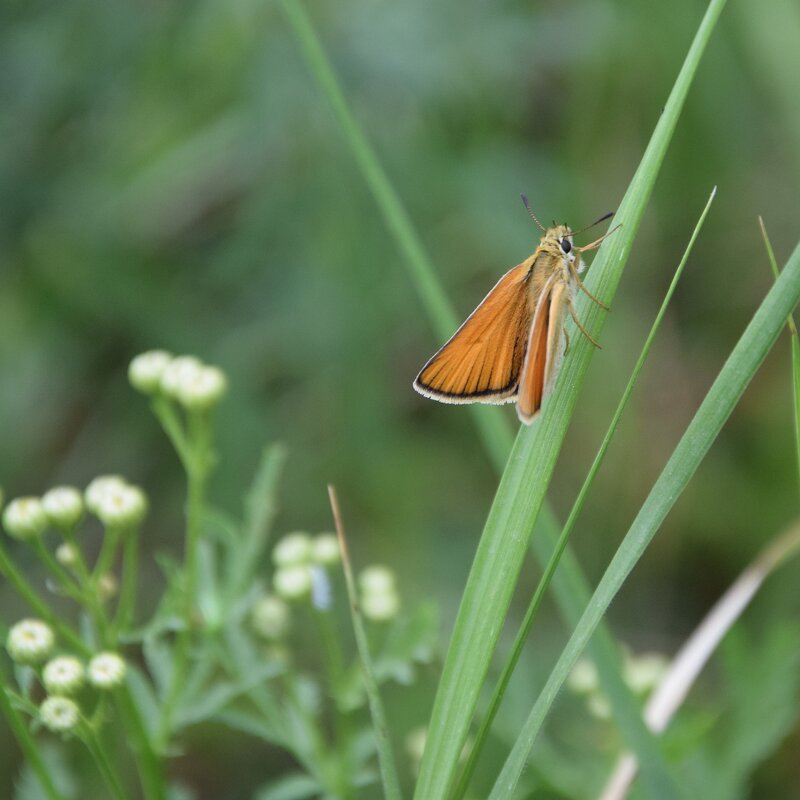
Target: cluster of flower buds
31 642
642 674
379 598
186 379
300 561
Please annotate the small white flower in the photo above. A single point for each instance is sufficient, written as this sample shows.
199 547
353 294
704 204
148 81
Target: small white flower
107 586
583 678
24 518
376 580
59 714
270 617
145 370
67 554
178 372
63 675
63 506
292 582
380 606
30 641
294 548
202 389
106 670
99 488
122 506
644 672
599 706
325 549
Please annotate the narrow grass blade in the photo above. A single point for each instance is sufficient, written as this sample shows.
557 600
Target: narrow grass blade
555 557
391 783
700 646
795 349
715 409
524 482
572 588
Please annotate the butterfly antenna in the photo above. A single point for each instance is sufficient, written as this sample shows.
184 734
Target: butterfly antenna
532 215
596 222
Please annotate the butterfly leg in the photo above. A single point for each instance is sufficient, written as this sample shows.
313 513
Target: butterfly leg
582 329
584 289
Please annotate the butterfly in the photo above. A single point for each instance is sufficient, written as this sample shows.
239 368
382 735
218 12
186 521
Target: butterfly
510 348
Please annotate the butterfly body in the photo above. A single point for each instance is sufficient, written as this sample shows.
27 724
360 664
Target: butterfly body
510 348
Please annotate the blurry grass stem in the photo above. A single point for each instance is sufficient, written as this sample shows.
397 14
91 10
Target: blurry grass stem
391 783
795 349
571 587
738 370
544 582
700 646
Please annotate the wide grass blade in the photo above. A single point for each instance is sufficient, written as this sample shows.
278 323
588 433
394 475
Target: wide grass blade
522 487
731 382
555 557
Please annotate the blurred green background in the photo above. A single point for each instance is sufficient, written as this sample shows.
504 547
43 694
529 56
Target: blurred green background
171 176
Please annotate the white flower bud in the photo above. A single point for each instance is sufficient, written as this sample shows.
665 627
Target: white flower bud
145 370
294 548
179 371
59 714
107 586
63 675
270 617
30 641
583 678
24 518
381 606
292 582
67 554
376 580
99 488
122 506
63 506
202 389
106 670
644 672
325 549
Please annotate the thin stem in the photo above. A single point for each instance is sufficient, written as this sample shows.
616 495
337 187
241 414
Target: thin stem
28 745
96 746
391 783
126 608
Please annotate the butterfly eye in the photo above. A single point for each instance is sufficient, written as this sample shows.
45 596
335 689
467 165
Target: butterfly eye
566 245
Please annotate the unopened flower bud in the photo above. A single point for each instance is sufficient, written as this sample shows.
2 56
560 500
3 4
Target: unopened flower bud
202 389
376 580
99 488
292 582
30 641
63 675
63 506
145 370
178 372
294 548
67 554
24 518
59 714
325 549
381 606
123 506
270 617
106 670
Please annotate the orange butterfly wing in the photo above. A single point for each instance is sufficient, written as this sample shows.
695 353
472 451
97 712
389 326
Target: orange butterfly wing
483 359
544 351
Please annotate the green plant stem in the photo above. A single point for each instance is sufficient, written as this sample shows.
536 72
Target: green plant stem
747 356
555 557
391 783
127 592
795 340
148 763
27 744
97 749
31 597
67 582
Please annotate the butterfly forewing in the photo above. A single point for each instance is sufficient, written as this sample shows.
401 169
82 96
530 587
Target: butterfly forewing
483 359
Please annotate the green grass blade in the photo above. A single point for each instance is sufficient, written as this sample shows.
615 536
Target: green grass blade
522 487
715 409
555 557
790 323
391 783
571 587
